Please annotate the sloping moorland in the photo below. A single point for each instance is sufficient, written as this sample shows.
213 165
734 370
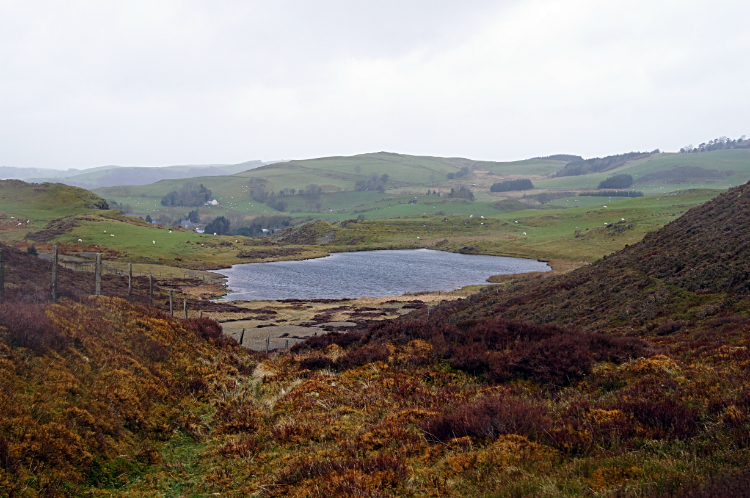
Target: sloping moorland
627 377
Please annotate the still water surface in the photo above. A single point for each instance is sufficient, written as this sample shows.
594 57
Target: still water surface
368 273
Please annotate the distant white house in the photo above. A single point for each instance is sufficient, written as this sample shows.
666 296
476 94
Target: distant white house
212 202
199 230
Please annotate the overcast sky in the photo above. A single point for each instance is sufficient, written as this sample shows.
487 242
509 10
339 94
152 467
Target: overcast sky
151 83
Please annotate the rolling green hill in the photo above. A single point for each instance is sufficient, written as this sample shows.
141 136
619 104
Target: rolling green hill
337 176
46 201
411 177
666 172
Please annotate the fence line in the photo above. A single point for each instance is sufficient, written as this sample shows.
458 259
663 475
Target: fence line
98 269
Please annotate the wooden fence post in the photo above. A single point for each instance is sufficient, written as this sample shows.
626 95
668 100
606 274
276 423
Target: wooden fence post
98 277
184 307
171 309
130 282
53 288
242 336
150 290
2 278
268 342
287 344
200 314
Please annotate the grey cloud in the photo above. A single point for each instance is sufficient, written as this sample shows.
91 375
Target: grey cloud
147 83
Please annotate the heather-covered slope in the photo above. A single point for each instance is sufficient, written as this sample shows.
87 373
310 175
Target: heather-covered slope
91 390
683 271
597 414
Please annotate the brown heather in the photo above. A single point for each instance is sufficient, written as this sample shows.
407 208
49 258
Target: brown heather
628 378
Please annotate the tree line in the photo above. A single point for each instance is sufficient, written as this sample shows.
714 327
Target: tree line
512 185
221 225
717 144
617 181
190 195
597 164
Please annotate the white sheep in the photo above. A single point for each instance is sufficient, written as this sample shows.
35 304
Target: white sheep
111 235
153 242
79 240
524 233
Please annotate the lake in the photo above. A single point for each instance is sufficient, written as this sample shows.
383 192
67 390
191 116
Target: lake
368 273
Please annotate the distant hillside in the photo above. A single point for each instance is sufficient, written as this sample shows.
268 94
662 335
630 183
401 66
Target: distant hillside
657 173
13 173
402 169
109 176
330 185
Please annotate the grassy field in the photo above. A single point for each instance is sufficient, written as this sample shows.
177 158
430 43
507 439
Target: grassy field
575 234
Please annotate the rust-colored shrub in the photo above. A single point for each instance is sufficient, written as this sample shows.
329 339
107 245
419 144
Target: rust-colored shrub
489 418
502 349
663 417
197 385
28 326
236 418
363 355
205 328
389 468
246 447
472 358
670 327
325 340
316 362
